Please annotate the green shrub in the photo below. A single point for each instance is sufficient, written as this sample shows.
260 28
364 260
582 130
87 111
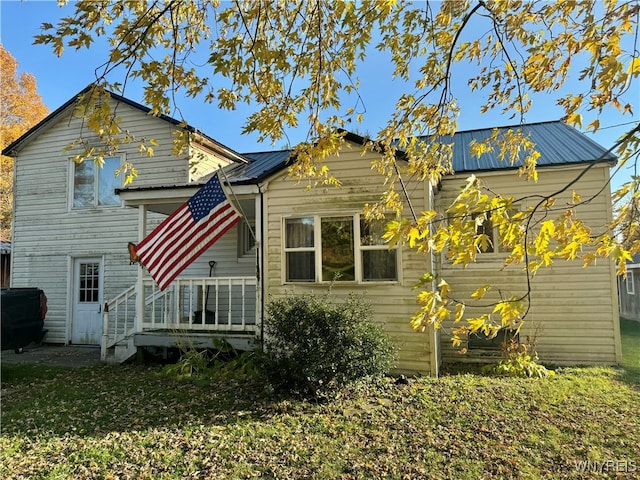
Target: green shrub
314 344
223 363
193 363
519 360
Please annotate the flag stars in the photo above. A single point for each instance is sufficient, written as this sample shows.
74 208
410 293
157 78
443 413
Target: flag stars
206 199
189 231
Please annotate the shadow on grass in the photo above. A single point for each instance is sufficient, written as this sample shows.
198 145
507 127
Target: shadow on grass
630 376
630 338
94 401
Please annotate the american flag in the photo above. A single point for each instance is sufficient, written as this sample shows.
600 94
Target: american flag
184 235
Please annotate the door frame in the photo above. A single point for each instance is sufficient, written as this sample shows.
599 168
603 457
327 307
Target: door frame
74 261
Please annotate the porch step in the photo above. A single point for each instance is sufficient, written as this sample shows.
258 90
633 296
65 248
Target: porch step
122 351
171 339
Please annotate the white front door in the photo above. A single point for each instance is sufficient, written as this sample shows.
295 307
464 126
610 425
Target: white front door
86 325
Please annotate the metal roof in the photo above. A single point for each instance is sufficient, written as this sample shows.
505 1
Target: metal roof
557 143
260 166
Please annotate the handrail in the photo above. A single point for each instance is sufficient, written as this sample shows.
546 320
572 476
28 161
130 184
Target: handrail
109 307
232 306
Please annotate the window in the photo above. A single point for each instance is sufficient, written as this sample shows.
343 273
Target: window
378 262
338 261
341 248
488 236
89 283
299 249
246 239
629 282
94 186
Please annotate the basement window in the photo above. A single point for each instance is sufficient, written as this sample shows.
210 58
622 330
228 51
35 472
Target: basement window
479 341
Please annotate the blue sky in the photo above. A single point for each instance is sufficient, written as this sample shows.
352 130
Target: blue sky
59 79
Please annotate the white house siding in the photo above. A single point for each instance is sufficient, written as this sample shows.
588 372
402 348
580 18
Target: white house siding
225 253
574 313
163 168
393 303
48 234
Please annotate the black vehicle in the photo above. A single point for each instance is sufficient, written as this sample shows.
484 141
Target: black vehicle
23 312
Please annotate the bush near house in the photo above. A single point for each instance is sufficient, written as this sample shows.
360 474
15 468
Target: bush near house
314 343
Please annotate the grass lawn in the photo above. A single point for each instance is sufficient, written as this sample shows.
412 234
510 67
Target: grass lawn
130 422
630 334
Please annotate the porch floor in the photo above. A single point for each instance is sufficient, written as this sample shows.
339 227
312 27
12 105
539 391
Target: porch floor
196 339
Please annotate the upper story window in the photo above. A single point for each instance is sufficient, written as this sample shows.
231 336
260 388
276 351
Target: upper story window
94 186
337 248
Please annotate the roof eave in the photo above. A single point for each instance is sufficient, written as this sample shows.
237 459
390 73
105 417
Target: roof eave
507 168
13 148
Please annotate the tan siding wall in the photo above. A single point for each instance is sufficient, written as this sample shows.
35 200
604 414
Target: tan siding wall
203 163
573 310
163 168
394 303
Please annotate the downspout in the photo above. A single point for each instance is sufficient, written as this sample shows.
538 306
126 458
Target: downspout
435 338
260 268
614 283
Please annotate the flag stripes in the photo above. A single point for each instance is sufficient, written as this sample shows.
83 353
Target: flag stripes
183 236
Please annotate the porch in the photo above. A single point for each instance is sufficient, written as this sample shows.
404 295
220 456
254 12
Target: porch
192 311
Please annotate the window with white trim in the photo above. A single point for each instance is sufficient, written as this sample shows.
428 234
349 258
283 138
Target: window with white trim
94 186
379 263
488 235
337 248
246 238
299 249
629 282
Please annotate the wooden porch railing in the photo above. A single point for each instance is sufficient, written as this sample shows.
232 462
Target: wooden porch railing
218 304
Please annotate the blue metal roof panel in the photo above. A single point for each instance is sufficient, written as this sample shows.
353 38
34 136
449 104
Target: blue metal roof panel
261 165
557 143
